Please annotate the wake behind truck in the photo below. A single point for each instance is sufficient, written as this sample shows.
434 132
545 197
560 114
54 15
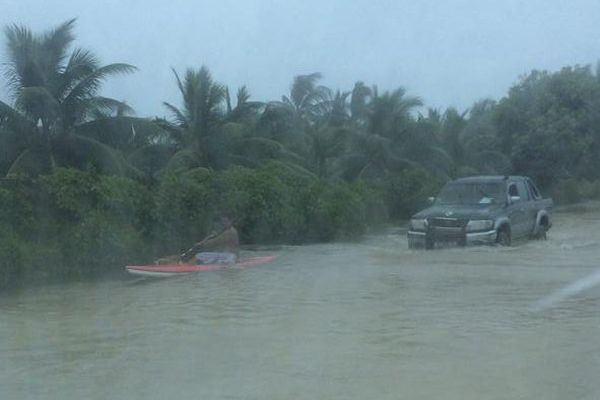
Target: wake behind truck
482 210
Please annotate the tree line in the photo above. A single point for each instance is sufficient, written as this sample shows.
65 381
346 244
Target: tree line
354 157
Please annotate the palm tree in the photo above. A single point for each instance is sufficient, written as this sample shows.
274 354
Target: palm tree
292 122
423 144
287 120
210 132
193 126
315 123
307 99
56 92
381 124
449 144
335 110
327 144
202 110
245 111
479 143
389 114
359 103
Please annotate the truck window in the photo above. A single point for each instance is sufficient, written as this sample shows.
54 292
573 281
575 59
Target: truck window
472 193
523 192
534 191
512 190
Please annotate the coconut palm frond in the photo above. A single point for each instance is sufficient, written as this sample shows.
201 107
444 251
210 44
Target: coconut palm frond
89 85
243 95
152 158
38 103
120 108
81 64
54 46
182 161
302 89
31 162
83 152
15 121
21 45
358 100
178 116
203 99
123 133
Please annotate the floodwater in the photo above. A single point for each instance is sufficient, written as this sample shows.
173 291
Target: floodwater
371 320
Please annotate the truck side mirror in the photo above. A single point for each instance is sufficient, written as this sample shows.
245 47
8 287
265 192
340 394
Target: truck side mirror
431 200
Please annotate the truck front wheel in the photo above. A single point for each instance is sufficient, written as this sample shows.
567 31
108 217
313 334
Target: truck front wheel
429 243
503 238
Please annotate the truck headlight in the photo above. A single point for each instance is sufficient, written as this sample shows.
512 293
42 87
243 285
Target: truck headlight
479 225
418 224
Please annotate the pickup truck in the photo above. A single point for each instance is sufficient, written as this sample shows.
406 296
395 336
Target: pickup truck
482 210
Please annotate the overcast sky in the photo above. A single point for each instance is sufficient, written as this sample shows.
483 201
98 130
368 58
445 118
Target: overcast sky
450 53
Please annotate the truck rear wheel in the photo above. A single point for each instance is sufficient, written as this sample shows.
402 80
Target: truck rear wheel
503 238
412 244
542 230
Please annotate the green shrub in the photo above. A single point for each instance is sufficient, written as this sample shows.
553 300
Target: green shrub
261 203
17 202
184 208
73 194
407 192
336 212
273 203
85 222
99 242
75 223
572 190
373 199
11 257
590 190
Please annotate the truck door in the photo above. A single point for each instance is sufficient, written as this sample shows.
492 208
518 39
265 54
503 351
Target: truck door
516 211
528 207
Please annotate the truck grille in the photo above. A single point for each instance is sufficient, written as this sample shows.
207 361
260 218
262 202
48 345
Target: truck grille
447 222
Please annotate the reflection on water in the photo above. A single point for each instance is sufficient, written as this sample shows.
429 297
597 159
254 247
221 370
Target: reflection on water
345 321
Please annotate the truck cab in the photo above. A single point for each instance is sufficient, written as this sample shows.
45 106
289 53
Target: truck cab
482 210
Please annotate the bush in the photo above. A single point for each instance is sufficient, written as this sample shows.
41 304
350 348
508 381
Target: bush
11 257
184 208
568 191
407 192
17 206
273 203
73 194
99 242
75 223
262 202
336 211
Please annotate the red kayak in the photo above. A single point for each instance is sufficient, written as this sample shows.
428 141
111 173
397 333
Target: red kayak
165 270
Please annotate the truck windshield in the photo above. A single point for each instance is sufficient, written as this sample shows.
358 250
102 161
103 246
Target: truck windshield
472 193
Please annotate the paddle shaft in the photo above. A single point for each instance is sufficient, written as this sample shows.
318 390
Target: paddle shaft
194 249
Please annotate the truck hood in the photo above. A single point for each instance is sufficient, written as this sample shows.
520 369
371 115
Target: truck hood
458 211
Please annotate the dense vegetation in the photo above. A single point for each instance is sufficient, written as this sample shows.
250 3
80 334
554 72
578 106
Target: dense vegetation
88 185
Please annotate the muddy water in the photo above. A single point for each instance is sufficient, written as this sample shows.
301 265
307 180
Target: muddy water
342 321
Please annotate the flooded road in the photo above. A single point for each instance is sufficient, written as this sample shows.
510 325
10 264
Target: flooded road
340 321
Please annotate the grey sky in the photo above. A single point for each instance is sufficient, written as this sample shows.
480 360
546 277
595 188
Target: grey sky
450 53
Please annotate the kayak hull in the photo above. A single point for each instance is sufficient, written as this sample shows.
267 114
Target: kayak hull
168 270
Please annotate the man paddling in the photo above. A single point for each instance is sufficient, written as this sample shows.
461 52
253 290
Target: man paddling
221 248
